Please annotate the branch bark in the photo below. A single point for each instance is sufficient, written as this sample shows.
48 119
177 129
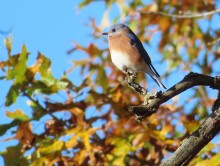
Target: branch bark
191 146
187 15
197 140
189 81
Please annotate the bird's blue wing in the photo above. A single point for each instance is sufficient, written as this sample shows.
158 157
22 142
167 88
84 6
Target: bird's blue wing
135 41
132 37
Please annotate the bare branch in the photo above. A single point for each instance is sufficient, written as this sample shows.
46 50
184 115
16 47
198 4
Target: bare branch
6 32
213 42
43 109
180 16
216 104
189 81
191 146
201 137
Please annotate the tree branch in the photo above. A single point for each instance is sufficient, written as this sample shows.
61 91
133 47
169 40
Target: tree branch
189 81
43 109
214 42
180 16
197 140
130 80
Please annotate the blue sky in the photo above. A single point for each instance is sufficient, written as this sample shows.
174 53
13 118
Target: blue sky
50 27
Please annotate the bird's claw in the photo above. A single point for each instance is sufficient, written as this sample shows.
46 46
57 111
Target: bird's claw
135 86
129 72
151 96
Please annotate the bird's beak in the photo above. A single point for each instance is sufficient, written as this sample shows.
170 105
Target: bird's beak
105 33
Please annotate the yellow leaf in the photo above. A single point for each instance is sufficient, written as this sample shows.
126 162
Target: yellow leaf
72 142
8 43
18 114
191 126
40 161
214 161
164 23
51 149
116 96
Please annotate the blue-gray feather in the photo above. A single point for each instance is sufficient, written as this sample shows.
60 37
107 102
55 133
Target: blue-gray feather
135 42
143 52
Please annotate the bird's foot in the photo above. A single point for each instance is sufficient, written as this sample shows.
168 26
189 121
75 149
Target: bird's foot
130 80
135 86
150 96
129 73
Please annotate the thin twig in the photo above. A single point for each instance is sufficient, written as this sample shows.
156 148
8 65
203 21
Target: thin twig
213 42
42 108
190 15
35 102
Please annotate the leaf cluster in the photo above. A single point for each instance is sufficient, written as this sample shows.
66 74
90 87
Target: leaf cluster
110 134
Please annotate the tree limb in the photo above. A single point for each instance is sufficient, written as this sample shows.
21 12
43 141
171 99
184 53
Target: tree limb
214 42
188 15
130 80
190 80
197 140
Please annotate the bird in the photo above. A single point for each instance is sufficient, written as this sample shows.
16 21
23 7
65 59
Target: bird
126 50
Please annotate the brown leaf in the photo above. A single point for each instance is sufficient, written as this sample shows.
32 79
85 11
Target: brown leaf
25 135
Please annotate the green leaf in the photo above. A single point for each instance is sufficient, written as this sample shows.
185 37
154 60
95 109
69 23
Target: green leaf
40 161
18 72
39 87
53 148
118 156
13 156
12 95
84 3
45 71
214 161
102 79
5 127
61 85
18 114
8 44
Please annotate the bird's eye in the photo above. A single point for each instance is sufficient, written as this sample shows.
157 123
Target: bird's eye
113 30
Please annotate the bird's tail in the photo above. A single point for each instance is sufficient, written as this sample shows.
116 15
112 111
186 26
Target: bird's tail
158 81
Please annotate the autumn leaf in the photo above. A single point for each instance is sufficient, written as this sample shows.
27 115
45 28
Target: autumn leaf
51 148
18 114
12 156
12 95
19 69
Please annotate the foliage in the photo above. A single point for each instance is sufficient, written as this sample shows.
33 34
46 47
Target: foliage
120 140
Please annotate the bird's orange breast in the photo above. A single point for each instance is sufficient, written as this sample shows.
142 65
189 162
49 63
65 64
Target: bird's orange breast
122 43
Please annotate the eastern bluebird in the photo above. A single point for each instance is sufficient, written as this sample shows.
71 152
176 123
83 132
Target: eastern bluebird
127 51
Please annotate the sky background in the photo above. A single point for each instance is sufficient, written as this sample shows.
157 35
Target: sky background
50 27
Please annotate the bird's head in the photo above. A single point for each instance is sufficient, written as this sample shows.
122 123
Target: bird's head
117 29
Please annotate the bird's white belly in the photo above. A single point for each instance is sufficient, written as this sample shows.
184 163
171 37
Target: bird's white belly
120 60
